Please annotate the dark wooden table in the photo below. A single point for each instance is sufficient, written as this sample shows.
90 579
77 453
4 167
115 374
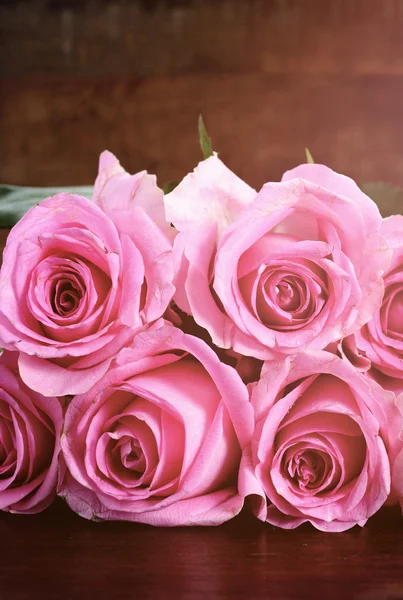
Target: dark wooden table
57 555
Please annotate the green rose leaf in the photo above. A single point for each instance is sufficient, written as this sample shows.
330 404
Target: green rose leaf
168 187
309 158
205 141
15 200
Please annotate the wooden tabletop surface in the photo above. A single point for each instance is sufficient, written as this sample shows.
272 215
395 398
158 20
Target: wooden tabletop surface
57 555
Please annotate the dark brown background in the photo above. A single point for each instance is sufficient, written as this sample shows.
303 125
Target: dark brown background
270 78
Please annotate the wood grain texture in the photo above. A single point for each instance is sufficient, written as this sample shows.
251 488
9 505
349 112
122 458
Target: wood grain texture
270 78
89 38
59 556
52 134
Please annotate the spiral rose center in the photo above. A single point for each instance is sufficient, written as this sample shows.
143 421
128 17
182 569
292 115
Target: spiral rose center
308 468
130 454
66 297
127 451
287 295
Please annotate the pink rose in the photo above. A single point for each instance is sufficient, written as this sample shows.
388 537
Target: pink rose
295 267
158 440
382 338
324 438
30 427
75 286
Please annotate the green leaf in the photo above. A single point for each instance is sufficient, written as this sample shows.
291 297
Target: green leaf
168 187
309 158
15 201
205 141
388 197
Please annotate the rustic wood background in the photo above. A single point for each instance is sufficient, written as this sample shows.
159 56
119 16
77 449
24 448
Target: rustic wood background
269 76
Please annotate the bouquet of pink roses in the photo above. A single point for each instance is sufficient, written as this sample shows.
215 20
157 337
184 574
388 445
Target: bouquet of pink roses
170 359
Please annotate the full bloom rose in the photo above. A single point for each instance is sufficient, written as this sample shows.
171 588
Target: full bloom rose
75 286
324 439
382 338
158 440
30 427
295 267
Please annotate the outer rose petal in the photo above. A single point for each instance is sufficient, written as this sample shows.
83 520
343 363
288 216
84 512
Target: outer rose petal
211 194
212 509
52 380
116 190
340 185
157 256
198 253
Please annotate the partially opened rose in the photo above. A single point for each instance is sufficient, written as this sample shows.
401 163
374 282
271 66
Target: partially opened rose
295 267
382 338
117 192
75 286
324 441
158 439
30 427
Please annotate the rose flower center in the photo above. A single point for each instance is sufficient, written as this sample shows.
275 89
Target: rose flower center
129 453
285 298
287 295
309 468
66 297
